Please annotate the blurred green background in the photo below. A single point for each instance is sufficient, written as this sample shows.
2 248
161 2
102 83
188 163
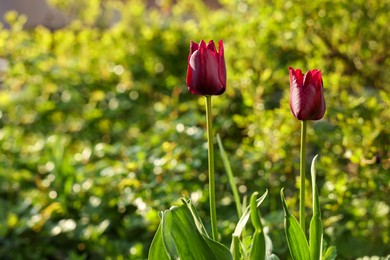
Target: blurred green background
98 131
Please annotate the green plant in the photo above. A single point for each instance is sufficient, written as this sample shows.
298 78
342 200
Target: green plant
113 100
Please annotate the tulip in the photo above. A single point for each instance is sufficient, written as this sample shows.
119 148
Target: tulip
306 103
306 94
206 72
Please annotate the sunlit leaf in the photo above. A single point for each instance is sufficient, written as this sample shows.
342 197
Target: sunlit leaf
245 216
316 233
157 249
258 250
183 240
296 240
195 215
230 175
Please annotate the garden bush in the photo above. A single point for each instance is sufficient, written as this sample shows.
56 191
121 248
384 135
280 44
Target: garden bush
98 131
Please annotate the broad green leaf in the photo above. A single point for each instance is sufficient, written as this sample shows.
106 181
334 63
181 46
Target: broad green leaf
195 215
245 216
296 240
183 240
157 249
258 250
229 172
316 233
219 250
216 246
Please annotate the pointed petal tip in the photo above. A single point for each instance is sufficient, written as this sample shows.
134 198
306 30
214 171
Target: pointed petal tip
220 47
193 47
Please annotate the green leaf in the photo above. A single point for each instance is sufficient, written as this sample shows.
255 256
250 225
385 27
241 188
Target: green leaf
181 235
245 216
258 251
183 240
220 251
237 249
229 172
296 240
195 215
157 249
316 233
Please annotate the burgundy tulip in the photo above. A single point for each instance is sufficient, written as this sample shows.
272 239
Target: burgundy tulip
306 94
206 72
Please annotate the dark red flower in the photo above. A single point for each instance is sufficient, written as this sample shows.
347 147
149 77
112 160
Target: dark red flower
206 72
306 94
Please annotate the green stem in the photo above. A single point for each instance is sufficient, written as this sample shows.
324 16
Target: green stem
213 210
302 171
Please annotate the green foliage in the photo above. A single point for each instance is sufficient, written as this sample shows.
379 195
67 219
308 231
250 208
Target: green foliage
316 230
258 250
255 246
178 237
296 239
229 172
98 132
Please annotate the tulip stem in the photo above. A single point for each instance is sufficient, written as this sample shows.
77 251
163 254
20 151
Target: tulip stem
302 171
213 210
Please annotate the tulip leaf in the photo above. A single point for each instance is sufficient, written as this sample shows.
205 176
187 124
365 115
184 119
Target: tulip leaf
245 216
316 233
195 215
258 250
296 240
157 249
237 249
229 172
219 250
216 246
180 237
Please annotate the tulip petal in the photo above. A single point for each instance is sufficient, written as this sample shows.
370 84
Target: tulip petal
296 75
221 67
211 46
296 79
212 84
193 73
193 48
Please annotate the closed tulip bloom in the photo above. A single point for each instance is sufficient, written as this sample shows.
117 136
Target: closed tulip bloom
206 72
306 94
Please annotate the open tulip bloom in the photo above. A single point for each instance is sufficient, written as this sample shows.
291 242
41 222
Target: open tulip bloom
206 73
